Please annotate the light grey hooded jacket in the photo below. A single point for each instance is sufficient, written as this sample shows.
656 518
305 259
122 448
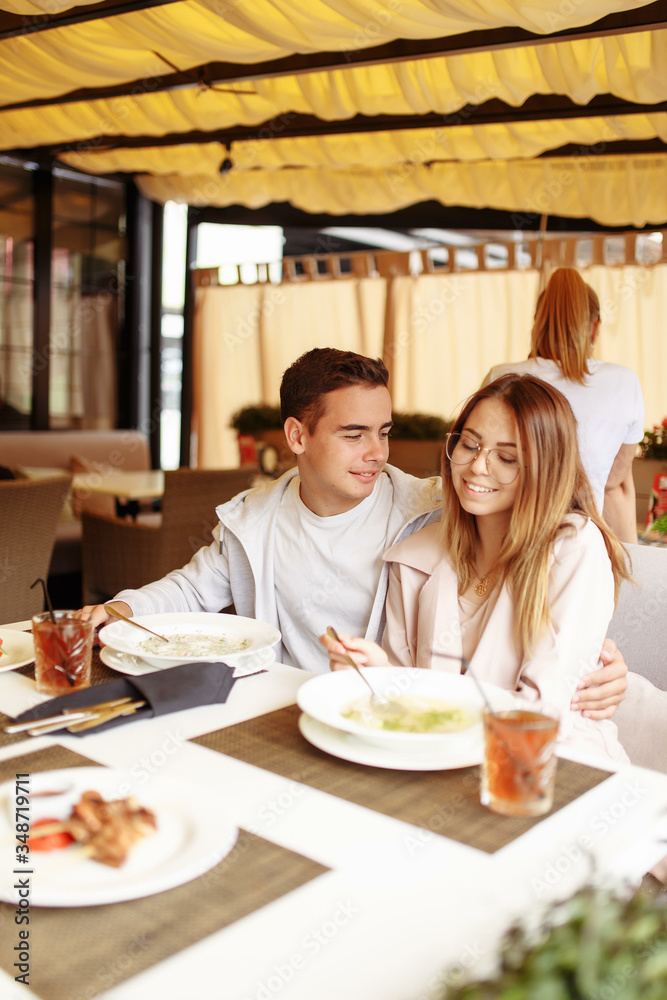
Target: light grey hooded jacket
237 567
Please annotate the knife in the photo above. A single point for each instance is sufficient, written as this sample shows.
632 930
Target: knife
52 723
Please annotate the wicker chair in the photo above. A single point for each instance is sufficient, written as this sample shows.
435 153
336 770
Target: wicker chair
121 553
29 513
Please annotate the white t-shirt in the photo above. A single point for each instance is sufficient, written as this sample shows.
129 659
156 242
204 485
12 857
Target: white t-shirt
318 577
608 407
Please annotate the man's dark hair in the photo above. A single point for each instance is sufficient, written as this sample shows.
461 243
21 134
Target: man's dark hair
324 369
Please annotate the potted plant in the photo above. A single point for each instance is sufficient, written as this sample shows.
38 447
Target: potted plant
255 419
593 946
652 459
260 430
416 442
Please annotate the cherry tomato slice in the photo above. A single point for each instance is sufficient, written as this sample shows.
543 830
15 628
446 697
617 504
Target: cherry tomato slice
52 841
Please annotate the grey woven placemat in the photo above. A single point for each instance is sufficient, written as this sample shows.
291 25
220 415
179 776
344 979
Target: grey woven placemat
446 802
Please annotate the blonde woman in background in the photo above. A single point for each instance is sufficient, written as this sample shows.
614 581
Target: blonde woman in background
606 398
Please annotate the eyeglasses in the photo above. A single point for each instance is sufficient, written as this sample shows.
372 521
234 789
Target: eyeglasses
502 463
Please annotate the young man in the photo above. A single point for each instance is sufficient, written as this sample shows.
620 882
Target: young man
306 550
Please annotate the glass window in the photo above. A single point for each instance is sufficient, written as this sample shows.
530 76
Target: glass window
89 254
171 353
16 294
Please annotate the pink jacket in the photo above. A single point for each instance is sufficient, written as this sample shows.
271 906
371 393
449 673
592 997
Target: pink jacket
422 614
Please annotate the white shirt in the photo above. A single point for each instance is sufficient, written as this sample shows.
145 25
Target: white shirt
317 570
608 407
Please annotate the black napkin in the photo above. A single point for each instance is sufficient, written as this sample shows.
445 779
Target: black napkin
164 691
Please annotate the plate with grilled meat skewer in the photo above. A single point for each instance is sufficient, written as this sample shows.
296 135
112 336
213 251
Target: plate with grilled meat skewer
96 835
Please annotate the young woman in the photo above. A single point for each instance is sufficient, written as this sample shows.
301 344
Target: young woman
606 398
520 575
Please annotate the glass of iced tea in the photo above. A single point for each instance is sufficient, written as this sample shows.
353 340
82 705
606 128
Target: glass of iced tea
63 652
519 766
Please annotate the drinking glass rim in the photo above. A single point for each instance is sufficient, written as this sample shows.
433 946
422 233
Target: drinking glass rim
543 721
61 616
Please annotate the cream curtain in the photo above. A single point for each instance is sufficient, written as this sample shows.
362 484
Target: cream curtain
246 335
82 359
227 367
97 322
16 355
633 303
448 331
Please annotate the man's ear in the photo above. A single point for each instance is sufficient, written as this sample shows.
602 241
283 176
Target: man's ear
294 433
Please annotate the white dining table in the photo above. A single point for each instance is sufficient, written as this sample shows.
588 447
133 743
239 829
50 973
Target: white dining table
128 487
399 905
124 484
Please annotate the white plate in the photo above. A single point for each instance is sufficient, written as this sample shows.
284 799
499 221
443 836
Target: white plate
18 647
134 666
126 638
193 834
326 696
349 747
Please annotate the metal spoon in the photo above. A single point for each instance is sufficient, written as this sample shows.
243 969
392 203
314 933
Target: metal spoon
467 669
378 701
130 621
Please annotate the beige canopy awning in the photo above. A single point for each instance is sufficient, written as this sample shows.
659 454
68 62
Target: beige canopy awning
350 106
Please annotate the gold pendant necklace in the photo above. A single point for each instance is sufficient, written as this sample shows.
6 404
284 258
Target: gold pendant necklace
484 583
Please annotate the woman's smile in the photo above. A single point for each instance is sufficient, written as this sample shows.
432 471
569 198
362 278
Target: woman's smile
478 488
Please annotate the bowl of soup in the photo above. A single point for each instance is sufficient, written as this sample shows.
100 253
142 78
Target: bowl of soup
193 637
425 707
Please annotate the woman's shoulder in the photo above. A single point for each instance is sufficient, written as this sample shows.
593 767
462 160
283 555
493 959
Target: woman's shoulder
422 550
609 371
529 366
578 534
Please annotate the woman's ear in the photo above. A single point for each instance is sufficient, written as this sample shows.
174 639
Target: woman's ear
294 434
595 329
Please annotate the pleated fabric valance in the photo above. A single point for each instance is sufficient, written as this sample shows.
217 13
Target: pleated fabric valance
614 190
247 31
93 92
632 67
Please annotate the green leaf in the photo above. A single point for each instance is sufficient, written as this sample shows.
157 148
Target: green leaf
655 966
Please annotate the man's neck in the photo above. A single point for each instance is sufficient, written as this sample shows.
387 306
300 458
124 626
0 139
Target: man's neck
324 505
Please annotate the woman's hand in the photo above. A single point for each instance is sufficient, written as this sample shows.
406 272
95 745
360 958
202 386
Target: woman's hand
599 694
364 652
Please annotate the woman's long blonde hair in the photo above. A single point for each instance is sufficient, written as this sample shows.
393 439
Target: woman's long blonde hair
552 484
564 317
